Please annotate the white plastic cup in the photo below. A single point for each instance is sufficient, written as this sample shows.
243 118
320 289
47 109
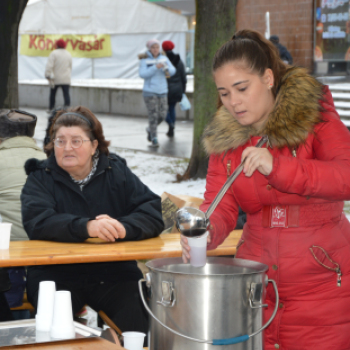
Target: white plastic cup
198 251
46 298
133 340
62 321
42 337
5 233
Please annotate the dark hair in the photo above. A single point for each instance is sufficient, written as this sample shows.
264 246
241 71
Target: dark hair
274 39
258 53
63 118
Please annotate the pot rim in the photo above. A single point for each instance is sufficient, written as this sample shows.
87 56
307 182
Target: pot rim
255 267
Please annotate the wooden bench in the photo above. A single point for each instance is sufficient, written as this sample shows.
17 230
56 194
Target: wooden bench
25 306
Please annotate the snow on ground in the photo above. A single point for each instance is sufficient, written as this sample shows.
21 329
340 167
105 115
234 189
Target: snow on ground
159 173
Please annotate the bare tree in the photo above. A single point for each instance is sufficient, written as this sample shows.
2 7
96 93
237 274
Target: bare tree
10 15
215 24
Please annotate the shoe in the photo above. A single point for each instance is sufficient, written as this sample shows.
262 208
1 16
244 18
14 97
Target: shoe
148 135
155 143
170 133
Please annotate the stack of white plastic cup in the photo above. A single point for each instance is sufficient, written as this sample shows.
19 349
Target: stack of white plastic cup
198 251
62 322
133 340
5 234
46 298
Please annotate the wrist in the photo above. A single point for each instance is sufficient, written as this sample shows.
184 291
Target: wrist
89 228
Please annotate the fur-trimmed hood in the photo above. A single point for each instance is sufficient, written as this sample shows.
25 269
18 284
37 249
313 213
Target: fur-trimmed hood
296 111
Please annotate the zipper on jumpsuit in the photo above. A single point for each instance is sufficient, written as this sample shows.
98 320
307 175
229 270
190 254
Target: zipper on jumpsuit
228 170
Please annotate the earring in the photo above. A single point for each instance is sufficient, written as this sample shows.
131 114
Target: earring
270 86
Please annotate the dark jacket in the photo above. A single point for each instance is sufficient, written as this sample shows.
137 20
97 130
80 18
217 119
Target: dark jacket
55 209
284 53
5 283
5 312
176 83
282 50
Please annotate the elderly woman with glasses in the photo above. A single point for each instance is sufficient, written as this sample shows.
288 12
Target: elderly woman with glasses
83 191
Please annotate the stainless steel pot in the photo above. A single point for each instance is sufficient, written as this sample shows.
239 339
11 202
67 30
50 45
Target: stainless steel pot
199 308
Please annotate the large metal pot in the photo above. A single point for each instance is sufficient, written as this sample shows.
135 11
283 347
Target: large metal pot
198 308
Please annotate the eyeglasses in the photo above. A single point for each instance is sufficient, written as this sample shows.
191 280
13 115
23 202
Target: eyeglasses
76 142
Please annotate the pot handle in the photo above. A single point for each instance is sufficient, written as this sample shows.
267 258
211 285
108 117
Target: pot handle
228 341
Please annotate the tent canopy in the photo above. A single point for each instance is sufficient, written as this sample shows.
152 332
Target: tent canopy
130 23
99 16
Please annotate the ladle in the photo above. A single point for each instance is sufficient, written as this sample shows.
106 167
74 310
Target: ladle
192 222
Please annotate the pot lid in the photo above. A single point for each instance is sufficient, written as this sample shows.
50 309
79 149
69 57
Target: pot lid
214 266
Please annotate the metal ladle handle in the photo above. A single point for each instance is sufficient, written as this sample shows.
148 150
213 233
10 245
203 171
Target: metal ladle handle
229 181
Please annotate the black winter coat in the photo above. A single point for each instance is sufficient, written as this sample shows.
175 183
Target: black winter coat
55 209
176 83
5 283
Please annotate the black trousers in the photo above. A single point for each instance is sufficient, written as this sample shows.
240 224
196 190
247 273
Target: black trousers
65 89
5 312
119 300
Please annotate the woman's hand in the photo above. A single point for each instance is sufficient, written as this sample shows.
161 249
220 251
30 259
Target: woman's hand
186 248
160 65
106 228
257 159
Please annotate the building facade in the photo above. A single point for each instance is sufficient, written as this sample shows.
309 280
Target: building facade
316 32
292 21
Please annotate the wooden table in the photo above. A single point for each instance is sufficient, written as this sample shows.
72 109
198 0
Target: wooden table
80 344
26 253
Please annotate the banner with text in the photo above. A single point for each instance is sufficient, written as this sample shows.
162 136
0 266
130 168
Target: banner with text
88 46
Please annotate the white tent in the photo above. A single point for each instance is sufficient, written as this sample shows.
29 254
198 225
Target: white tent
130 23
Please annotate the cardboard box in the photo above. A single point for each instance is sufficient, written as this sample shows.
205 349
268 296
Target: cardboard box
171 204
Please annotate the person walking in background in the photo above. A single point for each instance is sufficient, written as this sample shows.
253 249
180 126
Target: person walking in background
285 55
155 68
176 84
58 72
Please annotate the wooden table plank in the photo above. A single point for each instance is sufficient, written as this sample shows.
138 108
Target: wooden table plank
26 253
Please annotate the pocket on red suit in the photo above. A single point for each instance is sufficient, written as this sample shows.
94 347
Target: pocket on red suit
326 262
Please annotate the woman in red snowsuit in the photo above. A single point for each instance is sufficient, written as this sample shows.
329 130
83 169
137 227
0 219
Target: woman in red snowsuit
292 190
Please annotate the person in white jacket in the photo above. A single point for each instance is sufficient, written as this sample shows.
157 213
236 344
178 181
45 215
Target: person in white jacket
155 68
58 72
